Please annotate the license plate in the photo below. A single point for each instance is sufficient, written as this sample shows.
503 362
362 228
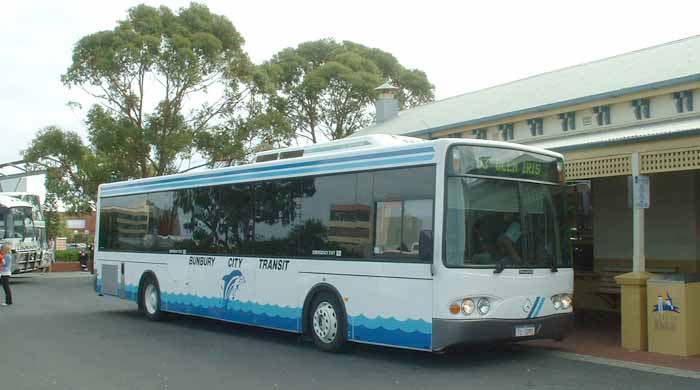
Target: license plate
524 330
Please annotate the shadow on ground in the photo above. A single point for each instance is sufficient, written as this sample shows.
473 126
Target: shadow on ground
469 355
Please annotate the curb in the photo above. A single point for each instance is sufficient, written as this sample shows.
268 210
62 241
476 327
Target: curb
53 275
649 368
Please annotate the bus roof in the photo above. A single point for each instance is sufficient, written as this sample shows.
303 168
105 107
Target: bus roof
347 155
10 202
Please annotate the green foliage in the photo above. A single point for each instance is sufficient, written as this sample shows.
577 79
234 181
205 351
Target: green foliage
145 76
188 54
55 224
73 170
326 88
171 84
67 255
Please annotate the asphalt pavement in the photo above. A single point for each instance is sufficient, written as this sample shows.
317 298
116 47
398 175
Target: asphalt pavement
61 335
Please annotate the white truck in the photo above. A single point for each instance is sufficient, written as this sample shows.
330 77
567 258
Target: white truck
22 226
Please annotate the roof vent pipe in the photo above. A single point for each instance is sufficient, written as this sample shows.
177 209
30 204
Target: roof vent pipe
386 104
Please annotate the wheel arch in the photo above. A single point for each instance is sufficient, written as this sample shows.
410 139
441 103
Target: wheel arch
315 290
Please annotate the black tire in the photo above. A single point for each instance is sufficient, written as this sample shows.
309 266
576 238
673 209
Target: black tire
150 291
325 337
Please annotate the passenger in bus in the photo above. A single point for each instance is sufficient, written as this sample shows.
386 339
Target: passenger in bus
5 272
508 240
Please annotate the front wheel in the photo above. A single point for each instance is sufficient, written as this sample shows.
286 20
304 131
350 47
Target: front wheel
328 323
150 299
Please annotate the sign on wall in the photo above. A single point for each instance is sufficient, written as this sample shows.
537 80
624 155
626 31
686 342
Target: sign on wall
640 195
75 224
638 192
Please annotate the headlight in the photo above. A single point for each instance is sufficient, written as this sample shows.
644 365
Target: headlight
468 307
561 301
556 301
483 306
566 301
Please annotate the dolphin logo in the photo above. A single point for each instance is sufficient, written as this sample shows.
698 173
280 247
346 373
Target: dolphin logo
232 282
665 304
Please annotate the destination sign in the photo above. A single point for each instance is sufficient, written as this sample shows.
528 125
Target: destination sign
501 162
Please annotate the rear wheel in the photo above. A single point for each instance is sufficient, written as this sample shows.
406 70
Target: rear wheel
150 299
328 324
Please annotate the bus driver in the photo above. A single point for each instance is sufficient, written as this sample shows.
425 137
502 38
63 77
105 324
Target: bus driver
508 240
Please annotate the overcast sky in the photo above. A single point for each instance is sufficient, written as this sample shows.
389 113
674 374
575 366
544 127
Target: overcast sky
462 46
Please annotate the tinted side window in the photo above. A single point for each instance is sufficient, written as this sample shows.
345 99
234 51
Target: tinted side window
238 212
215 220
277 206
198 209
399 226
163 230
404 210
331 222
123 222
404 183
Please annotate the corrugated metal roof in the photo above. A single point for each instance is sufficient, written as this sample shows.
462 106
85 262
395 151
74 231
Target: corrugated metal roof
655 67
627 134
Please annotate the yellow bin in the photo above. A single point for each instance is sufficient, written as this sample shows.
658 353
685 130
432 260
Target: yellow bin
674 314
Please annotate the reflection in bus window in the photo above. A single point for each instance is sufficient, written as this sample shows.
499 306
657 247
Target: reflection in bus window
399 225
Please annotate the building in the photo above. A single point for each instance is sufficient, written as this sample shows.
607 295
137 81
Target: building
80 223
597 115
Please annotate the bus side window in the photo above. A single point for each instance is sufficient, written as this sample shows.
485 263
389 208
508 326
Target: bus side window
417 218
403 209
387 240
400 225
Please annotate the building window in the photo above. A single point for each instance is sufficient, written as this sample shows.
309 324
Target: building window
641 109
536 126
568 121
506 131
479 133
454 135
602 115
684 101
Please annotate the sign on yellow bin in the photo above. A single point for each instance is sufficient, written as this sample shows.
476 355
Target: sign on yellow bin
674 314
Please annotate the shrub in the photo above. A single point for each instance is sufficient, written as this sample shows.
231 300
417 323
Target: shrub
67 255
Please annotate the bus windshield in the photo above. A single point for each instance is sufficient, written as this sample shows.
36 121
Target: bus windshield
505 223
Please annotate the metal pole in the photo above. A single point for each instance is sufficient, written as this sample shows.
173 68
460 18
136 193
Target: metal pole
638 260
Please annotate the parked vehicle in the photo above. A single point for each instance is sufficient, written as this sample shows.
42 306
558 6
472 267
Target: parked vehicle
22 226
383 240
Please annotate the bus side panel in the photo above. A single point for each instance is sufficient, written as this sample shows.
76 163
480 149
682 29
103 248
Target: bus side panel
278 303
218 287
386 303
119 274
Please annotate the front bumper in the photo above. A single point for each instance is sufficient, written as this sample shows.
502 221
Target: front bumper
452 332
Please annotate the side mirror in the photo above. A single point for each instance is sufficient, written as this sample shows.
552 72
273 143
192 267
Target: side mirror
425 245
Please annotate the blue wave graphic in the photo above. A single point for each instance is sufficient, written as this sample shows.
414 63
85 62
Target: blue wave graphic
397 337
392 323
131 292
239 316
379 330
209 303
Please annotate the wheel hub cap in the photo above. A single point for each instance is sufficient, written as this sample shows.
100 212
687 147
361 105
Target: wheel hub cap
325 322
151 299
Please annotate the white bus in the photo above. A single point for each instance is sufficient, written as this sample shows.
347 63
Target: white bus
382 239
22 226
